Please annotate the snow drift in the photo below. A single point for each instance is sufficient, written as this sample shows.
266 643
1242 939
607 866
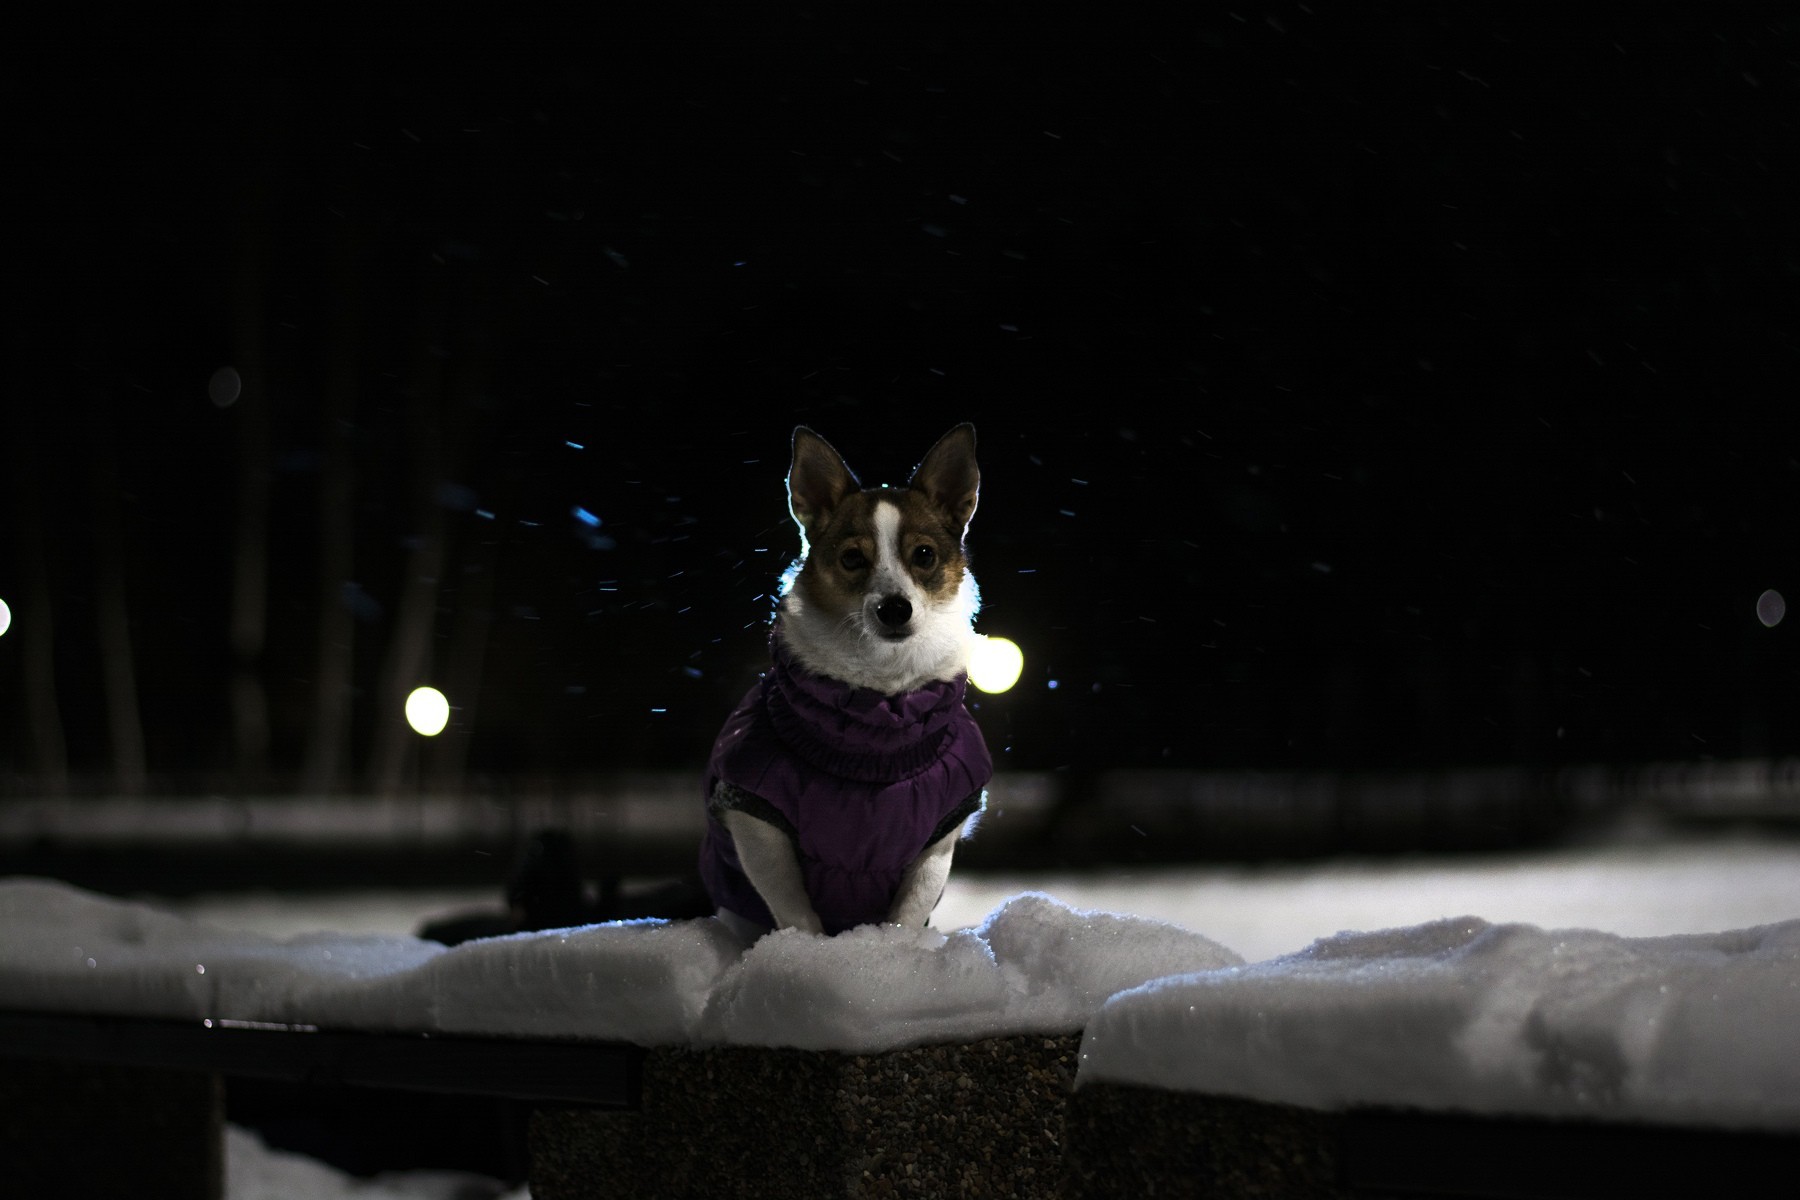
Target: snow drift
1453 1014
1463 1015
1036 966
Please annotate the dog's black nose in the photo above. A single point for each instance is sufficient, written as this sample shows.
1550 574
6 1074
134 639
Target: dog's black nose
894 611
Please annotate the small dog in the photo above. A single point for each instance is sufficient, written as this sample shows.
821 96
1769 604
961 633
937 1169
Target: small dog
839 786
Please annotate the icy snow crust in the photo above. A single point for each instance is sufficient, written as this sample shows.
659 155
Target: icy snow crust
1035 966
1699 1029
1449 1015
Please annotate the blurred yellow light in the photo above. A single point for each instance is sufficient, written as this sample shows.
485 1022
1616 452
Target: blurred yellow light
427 711
995 663
5 617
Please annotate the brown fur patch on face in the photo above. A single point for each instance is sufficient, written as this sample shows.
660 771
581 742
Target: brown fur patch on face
930 544
843 551
848 530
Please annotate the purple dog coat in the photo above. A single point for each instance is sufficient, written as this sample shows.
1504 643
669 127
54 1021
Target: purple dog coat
861 782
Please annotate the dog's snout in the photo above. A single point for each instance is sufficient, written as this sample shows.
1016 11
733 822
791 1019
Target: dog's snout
894 611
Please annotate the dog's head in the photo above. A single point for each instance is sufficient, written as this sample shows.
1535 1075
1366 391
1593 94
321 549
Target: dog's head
881 596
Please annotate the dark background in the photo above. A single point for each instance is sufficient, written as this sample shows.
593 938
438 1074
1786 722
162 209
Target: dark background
1358 387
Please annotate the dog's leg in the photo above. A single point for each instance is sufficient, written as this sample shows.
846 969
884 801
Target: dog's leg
767 856
923 884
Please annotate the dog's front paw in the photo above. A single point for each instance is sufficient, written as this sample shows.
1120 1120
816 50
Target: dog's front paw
801 917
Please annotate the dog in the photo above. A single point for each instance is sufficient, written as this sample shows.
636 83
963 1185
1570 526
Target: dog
839 786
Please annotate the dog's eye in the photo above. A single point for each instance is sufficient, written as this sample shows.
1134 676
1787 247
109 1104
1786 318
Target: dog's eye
924 556
852 560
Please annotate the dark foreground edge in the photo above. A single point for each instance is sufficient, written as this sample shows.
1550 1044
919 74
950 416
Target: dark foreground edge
598 1074
995 1117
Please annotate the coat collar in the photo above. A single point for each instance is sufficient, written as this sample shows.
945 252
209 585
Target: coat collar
856 732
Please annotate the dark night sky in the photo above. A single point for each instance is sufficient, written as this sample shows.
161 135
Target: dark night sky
1377 386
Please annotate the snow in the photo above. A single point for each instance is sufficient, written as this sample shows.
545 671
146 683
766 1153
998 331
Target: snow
1644 888
1596 983
1641 888
253 1171
1700 1029
1034 966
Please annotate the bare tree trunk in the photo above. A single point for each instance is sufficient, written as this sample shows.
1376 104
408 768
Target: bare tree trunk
407 662
32 623
473 600
112 615
471 594
328 741
250 562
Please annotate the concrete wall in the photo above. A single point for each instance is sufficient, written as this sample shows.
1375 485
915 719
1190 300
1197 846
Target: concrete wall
993 1118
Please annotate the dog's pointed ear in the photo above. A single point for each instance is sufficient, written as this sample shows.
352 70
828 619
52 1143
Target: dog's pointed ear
818 480
949 477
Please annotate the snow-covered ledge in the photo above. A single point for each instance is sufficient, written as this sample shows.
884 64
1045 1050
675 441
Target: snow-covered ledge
1463 1016
1455 1016
1034 967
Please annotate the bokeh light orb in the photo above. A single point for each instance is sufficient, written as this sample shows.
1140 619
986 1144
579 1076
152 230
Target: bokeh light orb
427 711
5 617
225 386
1770 608
995 663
